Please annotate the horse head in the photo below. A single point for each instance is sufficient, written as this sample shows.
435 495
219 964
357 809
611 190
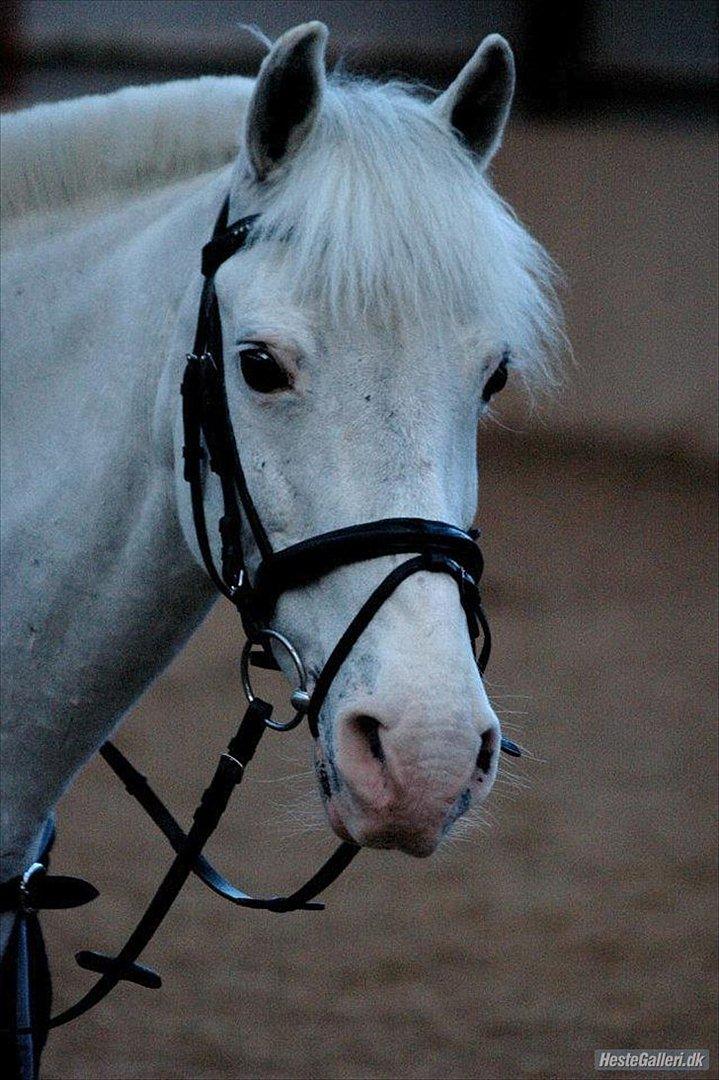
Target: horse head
364 329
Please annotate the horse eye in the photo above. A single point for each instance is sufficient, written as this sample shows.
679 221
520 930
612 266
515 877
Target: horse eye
261 371
498 380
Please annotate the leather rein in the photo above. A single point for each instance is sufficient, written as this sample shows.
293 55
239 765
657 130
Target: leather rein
209 442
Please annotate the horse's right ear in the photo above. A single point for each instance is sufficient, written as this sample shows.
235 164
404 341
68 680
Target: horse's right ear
287 97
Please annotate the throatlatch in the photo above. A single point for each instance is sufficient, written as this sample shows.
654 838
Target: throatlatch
209 442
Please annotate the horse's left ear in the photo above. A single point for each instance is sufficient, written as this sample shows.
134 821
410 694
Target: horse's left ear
287 97
477 103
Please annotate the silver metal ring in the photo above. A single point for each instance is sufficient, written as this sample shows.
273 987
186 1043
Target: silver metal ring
300 698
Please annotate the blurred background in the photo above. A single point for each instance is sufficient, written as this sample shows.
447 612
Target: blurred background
582 915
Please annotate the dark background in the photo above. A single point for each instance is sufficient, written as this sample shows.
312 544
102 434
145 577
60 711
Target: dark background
582 915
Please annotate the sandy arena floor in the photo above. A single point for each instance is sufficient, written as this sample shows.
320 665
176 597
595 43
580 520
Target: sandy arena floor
581 916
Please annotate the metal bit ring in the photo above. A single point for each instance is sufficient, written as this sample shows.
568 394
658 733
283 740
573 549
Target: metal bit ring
300 698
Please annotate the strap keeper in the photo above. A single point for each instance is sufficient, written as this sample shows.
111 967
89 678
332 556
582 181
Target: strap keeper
232 562
189 374
193 456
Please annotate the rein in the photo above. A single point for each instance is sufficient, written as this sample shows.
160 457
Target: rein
209 442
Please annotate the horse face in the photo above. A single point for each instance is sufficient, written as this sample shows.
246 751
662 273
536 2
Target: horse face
337 428
361 330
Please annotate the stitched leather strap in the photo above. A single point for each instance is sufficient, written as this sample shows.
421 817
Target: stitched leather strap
296 566
431 561
138 786
213 803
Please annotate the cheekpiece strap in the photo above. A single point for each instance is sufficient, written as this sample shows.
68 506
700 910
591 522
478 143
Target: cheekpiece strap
226 243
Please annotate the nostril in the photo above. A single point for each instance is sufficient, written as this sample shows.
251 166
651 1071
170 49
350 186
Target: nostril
486 750
368 728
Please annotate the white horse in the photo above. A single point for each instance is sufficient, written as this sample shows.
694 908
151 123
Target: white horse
403 282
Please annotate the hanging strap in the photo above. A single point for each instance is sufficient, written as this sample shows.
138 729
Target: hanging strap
125 965
137 785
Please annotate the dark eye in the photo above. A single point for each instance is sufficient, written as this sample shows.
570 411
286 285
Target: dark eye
497 380
261 371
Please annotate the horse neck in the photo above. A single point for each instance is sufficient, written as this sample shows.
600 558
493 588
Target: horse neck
130 485
101 587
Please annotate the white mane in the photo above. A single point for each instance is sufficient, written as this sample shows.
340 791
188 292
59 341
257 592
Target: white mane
140 137
393 218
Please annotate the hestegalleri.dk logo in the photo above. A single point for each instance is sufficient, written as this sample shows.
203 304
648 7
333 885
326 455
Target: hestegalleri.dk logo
651 1059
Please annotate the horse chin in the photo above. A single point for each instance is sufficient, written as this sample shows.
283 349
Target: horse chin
336 823
419 847
418 844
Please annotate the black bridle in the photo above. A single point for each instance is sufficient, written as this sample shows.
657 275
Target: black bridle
209 442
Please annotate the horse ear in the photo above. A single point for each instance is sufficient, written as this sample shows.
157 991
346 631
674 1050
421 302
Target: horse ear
477 103
287 97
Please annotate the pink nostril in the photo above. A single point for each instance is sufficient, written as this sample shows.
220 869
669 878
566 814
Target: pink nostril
368 728
486 750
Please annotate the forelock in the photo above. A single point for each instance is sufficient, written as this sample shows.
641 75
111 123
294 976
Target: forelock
384 216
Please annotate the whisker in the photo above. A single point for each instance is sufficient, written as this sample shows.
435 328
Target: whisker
305 774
